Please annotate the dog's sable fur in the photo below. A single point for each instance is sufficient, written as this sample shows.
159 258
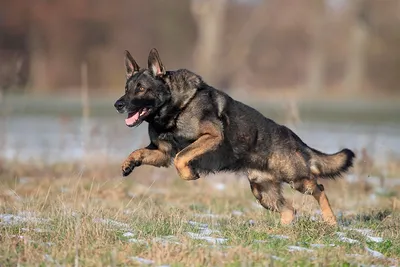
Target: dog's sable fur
203 130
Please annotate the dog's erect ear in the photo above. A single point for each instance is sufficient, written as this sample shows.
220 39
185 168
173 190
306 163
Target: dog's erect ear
154 63
130 64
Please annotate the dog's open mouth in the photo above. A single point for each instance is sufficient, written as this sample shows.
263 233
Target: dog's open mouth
135 118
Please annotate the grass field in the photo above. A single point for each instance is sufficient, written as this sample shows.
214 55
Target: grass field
87 215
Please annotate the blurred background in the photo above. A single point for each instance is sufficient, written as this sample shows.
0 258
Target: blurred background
329 69
326 47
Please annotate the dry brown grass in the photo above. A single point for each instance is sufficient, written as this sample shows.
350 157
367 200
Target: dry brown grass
63 211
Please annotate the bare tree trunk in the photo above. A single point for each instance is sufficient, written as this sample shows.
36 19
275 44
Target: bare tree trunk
357 49
240 49
316 78
85 109
38 76
209 16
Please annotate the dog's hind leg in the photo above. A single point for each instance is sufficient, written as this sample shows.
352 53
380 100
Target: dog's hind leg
269 194
310 187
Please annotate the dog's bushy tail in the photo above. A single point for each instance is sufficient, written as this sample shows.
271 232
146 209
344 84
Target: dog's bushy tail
331 165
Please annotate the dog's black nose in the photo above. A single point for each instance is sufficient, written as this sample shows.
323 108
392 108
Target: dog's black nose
119 105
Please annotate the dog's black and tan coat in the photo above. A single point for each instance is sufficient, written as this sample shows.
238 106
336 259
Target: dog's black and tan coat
203 130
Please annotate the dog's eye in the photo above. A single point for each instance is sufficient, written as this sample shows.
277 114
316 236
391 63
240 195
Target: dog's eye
141 89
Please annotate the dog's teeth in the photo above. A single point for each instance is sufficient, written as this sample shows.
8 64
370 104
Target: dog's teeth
142 112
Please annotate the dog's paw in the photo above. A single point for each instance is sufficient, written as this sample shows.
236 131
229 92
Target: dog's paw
128 166
186 172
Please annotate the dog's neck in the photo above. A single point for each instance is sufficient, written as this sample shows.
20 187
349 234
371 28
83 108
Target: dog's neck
183 85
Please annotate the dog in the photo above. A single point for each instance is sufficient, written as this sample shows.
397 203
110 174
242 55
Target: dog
202 130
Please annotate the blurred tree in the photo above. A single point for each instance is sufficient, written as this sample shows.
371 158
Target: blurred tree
357 48
249 44
210 17
316 72
237 52
13 59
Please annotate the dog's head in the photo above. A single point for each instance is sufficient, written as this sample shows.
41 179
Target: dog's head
145 89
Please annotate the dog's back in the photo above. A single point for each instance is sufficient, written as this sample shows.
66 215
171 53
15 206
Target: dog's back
252 141
268 152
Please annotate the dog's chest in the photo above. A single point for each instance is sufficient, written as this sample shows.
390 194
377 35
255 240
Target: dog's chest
177 140
184 132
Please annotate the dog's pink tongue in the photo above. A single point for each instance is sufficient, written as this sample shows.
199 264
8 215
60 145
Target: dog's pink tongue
132 118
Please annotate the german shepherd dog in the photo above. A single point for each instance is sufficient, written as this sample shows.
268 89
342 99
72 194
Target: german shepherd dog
203 130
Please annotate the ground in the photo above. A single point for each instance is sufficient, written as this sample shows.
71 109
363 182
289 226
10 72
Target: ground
88 215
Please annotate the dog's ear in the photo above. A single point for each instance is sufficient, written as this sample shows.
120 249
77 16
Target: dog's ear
130 64
154 63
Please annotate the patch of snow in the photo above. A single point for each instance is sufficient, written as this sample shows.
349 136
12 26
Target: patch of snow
354 255
373 197
128 211
167 239
142 260
257 205
11 219
112 223
49 244
297 248
367 233
279 236
212 240
197 224
208 215
131 195
204 233
128 234
64 189
322 245
49 258
138 241
237 213
363 231
375 239
374 253
24 180
220 186
277 258
252 222
204 230
343 238
209 231
38 230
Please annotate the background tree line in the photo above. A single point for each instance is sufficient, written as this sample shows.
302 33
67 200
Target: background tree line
317 46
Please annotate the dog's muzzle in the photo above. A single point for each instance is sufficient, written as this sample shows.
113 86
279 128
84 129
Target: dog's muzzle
120 106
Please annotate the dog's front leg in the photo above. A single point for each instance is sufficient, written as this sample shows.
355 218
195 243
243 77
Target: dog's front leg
151 155
209 140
